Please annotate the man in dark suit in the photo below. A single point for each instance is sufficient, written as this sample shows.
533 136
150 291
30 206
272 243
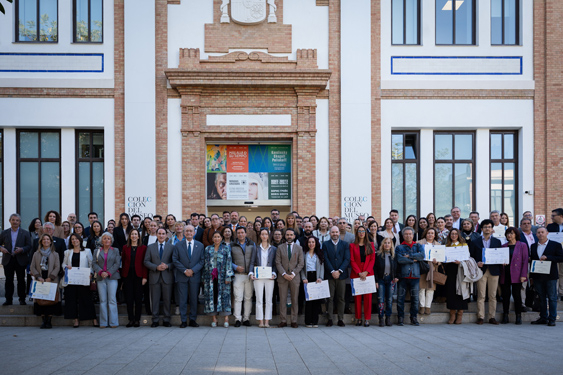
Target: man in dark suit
233 223
158 259
546 284
491 272
456 216
289 262
557 217
337 261
188 263
527 236
194 220
92 216
474 216
394 216
58 243
15 245
528 215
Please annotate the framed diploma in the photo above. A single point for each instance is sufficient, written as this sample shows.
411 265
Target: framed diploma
263 272
437 252
499 255
541 266
457 253
314 291
366 286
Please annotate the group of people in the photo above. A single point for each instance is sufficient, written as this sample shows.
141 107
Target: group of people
156 262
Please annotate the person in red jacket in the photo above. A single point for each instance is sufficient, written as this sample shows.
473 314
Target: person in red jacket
362 259
135 275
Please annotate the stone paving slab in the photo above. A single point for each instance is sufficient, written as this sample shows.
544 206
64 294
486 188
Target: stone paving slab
428 349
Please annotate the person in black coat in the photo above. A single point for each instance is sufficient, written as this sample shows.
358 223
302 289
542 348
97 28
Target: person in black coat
546 284
386 279
557 217
15 258
121 231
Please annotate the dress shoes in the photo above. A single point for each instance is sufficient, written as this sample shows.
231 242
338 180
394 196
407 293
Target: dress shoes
493 321
518 319
154 325
329 323
341 323
358 323
22 302
137 324
388 322
539 321
237 323
381 322
246 323
480 321
551 323
166 324
183 325
505 319
400 322
7 303
366 323
282 324
130 324
193 324
294 325
414 321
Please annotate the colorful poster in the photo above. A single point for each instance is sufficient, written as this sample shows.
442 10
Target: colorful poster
251 173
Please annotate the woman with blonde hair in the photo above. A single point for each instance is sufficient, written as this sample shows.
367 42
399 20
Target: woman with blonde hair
290 222
45 267
385 267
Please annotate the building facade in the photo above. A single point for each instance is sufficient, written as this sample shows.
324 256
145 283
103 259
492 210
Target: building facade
319 106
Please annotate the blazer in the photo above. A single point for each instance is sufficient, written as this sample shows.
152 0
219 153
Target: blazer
23 240
319 268
183 262
286 265
337 258
518 265
140 269
379 267
256 260
119 239
476 252
85 261
198 236
554 254
153 260
60 247
553 227
53 262
356 261
114 261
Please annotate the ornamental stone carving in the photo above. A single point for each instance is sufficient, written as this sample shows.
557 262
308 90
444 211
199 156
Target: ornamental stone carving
248 12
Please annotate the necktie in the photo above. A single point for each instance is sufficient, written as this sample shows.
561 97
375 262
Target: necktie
190 250
289 251
161 251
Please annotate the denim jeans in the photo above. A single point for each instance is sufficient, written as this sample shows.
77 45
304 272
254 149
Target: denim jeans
547 289
385 295
413 286
107 290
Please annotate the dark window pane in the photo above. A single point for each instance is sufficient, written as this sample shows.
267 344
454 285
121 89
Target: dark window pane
98 143
443 147
410 146
510 21
27 20
48 20
464 22
444 22
50 145
98 189
83 192
411 189
443 187
81 20
397 21
29 191
96 28
509 146
411 22
29 143
84 145
50 187
496 186
464 188
496 21
463 146
510 191
397 147
496 146
397 182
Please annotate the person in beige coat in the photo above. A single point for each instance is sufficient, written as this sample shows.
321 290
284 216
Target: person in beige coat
427 286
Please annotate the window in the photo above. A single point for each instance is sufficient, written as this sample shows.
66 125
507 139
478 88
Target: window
504 167
88 16
37 21
39 173
505 22
404 171
453 173
90 174
405 22
455 22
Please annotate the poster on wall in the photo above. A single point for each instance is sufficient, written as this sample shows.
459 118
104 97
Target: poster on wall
257 173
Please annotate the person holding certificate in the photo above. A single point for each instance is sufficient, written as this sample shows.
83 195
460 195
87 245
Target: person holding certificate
216 278
546 284
427 286
78 298
313 272
362 260
45 267
264 256
512 275
454 302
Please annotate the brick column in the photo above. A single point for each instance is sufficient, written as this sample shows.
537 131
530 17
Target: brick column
119 107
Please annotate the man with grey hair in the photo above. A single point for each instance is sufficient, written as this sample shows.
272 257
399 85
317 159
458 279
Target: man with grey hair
344 234
15 245
498 228
456 216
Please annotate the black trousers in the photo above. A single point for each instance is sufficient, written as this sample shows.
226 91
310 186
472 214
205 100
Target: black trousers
9 269
312 308
133 289
506 289
78 303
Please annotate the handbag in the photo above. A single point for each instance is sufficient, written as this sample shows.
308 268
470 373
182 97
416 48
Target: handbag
93 286
424 267
44 302
439 277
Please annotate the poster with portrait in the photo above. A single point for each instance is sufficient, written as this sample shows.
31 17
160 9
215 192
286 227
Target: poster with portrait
249 173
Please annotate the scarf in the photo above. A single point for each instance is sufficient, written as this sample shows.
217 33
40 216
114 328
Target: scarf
44 258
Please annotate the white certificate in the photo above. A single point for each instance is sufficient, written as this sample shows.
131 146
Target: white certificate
77 276
314 291
556 237
366 286
437 252
263 272
541 266
499 255
46 291
454 253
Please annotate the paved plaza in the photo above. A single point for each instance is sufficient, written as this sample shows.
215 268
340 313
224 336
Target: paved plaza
428 349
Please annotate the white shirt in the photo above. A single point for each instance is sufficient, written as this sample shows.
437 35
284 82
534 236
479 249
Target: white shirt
397 228
541 248
263 256
152 239
456 223
529 238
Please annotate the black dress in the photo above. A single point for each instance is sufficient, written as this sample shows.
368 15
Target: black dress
78 298
453 300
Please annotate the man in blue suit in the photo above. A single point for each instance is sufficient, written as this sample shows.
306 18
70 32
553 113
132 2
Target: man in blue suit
337 261
188 263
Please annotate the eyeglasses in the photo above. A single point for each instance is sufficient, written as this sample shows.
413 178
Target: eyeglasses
361 231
